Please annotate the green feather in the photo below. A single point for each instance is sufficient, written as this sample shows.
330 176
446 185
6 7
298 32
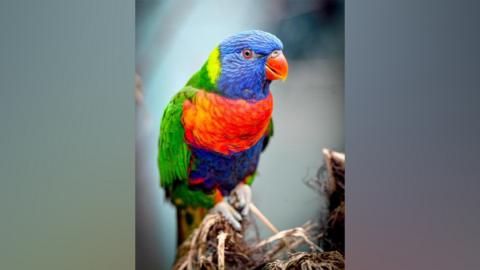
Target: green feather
270 128
206 77
182 195
174 155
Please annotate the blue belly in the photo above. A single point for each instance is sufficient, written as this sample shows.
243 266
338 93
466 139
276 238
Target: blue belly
217 171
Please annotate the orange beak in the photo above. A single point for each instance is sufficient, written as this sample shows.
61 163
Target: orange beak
276 66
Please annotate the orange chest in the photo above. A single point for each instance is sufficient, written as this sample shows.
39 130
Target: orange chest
224 125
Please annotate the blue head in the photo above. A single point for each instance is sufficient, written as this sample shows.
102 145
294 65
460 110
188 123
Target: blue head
249 61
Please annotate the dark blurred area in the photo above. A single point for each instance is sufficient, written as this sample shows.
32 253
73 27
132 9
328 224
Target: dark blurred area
312 29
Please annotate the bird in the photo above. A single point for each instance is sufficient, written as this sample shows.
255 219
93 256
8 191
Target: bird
214 129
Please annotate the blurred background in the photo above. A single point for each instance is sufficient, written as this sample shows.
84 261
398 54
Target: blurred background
174 39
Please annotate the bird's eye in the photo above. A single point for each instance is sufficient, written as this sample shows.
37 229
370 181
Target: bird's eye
247 54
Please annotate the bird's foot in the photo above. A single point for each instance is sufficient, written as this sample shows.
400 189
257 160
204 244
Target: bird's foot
229 213
241 197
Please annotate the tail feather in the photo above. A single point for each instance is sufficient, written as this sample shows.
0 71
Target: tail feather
188 219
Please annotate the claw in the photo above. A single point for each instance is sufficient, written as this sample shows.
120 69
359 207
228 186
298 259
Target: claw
229 213
242 197
245 210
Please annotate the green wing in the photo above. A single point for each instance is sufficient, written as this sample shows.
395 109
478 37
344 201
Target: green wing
174 155
173 152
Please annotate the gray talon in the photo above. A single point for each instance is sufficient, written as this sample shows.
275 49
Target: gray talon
242 195
229 213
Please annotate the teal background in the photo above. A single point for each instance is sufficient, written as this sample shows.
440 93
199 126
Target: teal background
66 135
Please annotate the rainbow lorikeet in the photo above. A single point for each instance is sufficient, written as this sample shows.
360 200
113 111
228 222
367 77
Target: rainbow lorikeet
214 129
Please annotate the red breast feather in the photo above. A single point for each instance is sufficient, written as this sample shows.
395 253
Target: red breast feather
224 125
